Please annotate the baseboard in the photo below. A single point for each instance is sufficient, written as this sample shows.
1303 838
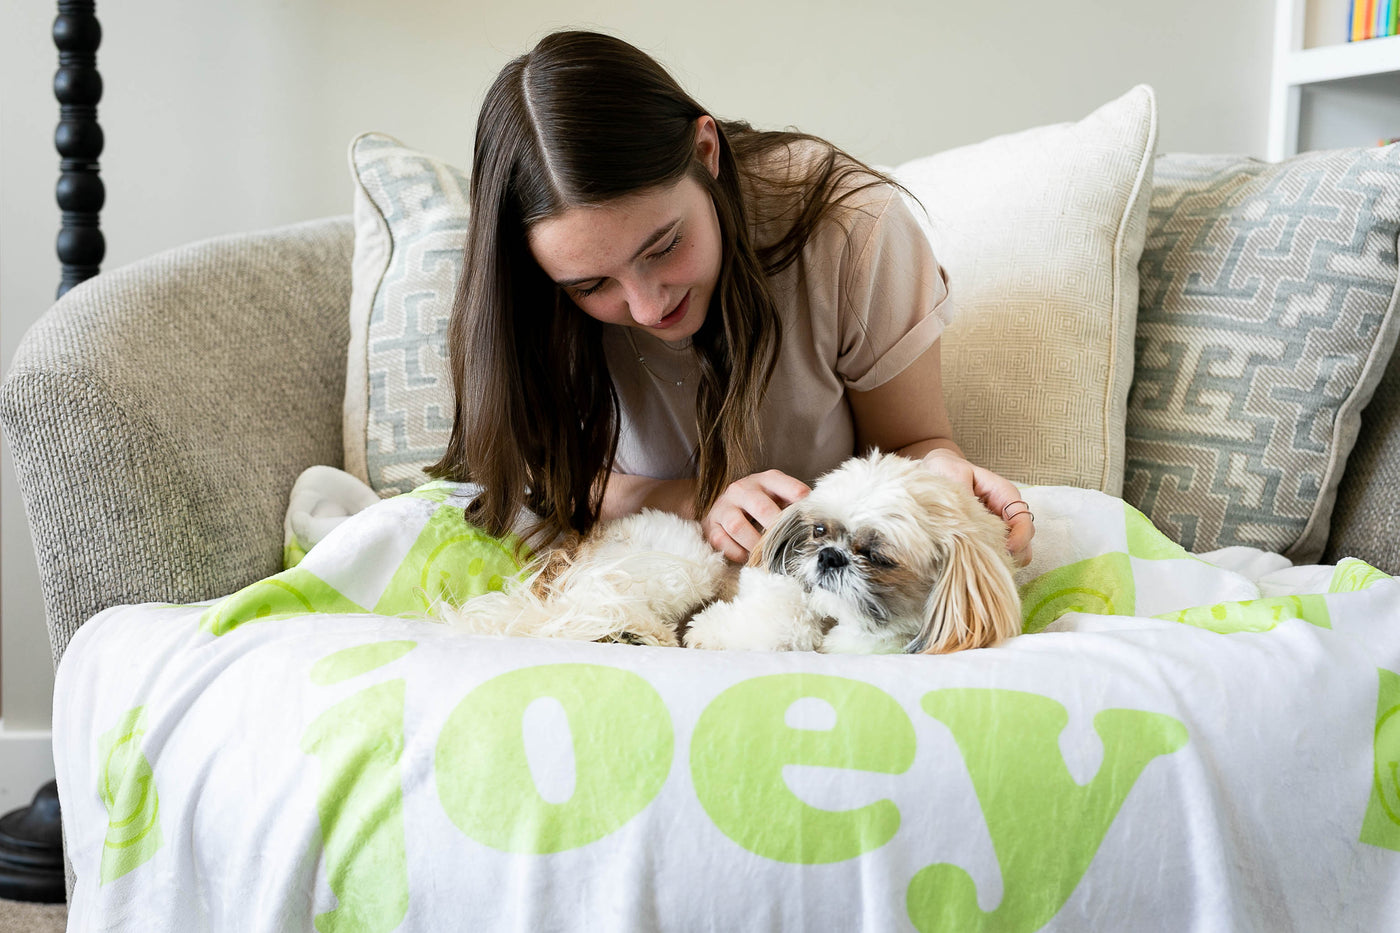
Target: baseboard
26 764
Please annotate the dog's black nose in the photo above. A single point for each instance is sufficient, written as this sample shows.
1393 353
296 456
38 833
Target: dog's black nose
829 558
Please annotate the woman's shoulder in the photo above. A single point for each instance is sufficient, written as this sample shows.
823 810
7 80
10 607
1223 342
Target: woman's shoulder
781 181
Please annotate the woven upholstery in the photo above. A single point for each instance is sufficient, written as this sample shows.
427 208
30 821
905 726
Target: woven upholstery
1366 522
159 413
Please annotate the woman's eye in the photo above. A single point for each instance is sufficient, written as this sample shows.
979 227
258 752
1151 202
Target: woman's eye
585 292
670 248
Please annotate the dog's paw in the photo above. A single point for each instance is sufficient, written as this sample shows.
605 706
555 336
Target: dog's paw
656 637
716 628
769 613
851 639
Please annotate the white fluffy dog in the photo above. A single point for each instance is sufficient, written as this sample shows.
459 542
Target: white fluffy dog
883 556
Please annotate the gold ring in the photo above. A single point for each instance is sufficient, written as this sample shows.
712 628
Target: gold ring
1025 510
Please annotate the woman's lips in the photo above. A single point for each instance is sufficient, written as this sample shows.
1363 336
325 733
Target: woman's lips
674 318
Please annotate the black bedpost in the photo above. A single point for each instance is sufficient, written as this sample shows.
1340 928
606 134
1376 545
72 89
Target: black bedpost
31 838
78 87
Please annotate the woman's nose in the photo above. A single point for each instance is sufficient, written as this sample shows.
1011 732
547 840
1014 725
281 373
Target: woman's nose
646 302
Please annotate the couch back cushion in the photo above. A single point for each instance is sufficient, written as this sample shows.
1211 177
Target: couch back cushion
1266 319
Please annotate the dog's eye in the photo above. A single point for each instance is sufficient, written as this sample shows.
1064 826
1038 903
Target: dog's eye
874 558
819 530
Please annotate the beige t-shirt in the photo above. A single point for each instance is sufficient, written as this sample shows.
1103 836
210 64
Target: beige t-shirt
865 298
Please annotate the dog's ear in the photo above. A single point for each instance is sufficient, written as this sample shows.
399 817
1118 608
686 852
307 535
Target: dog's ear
975 603
778 546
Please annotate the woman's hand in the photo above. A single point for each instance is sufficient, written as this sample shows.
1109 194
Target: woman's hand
996 493
736 521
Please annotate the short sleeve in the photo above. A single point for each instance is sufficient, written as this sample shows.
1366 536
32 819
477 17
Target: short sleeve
893 301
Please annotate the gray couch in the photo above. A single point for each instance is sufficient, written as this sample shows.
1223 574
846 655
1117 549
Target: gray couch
159 414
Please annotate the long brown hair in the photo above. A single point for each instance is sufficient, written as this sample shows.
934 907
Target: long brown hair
582 119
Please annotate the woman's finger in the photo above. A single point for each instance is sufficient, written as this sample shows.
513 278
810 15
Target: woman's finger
1020 531
721 541
784 489
740 529
752 502
1020 523
1000 496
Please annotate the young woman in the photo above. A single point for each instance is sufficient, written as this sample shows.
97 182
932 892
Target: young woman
661 309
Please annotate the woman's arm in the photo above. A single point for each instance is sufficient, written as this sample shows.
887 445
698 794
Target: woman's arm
626 494
907 415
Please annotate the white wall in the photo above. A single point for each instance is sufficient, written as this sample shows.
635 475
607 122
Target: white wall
230 115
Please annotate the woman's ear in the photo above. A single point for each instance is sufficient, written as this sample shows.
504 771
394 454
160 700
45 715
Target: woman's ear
707 143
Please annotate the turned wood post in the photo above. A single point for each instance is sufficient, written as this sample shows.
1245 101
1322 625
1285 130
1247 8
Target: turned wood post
78 87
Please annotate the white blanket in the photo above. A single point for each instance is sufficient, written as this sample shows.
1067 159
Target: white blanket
1230 765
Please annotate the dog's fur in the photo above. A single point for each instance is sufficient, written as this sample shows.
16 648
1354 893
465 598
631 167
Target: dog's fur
883 556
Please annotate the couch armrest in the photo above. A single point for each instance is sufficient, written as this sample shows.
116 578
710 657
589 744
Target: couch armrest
159 413
1366 521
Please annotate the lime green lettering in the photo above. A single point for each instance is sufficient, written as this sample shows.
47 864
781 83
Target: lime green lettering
1146 542
361 659
742 742
622 750
1102 585
1044 827
1351 575
1255 615
292 592
128 789
1381 826
359 742
451 561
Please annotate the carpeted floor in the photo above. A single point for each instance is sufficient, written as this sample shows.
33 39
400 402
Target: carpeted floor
16 917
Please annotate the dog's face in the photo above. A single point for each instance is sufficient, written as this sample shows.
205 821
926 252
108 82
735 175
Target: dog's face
888 545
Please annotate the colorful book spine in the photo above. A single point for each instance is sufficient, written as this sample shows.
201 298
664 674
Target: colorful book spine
1372 19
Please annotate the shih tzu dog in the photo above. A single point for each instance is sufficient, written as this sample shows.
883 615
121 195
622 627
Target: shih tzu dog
883 556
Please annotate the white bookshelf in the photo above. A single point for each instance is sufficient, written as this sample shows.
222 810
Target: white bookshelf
1329 93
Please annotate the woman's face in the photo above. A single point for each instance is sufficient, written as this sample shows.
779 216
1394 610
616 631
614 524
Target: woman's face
649 260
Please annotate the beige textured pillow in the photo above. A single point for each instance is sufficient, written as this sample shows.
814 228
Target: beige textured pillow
1041 232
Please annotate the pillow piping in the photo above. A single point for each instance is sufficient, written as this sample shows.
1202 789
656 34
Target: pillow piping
1125 334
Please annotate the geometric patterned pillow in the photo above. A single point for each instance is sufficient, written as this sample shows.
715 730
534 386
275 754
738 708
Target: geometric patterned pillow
1266 318
410 226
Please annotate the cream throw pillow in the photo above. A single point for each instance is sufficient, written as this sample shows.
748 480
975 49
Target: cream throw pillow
1041 232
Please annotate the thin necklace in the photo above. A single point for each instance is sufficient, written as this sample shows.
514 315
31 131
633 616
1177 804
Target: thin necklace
643 360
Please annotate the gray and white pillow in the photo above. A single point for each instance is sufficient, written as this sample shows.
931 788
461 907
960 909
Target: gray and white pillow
410 225
1266 318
